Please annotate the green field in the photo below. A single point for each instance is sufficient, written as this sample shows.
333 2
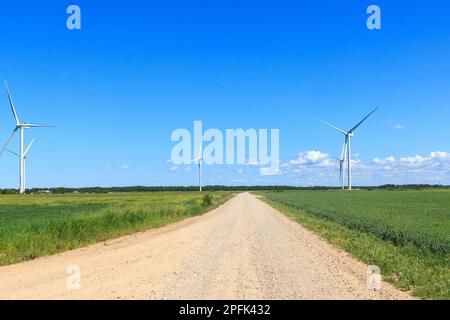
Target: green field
406 233
36 225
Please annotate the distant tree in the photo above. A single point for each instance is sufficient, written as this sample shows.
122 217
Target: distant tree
59 190
9 191
274 188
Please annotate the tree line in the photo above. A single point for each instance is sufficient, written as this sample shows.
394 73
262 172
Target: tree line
278 188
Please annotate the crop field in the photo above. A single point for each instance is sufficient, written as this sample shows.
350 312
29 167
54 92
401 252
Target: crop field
406 233
36 225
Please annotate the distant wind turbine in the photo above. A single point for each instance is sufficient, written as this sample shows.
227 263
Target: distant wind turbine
341 168
20 127
25 157
199 161
346 155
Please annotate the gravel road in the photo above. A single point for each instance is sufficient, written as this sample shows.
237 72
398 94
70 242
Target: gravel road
242 250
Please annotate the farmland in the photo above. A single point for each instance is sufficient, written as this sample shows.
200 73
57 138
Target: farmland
36 225
406 233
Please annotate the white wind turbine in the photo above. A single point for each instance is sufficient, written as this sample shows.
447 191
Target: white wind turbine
346 155
341 168
199 161
22 152
25 157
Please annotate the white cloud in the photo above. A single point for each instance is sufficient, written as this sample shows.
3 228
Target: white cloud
318 168
435 159
310 157
390 159
396 125
269 171
188 169
327 163
125 167
416 160
173 168
253 163
440 155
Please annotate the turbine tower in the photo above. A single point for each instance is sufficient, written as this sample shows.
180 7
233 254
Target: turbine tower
199 161
341 168
25 157
346 150
20 127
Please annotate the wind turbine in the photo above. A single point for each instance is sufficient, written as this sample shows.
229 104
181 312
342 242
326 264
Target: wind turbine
25 157
199 161
346 154
20 127
341 168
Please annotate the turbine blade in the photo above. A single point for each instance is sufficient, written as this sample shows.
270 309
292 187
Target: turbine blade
361 122
343 149
11 103
12 152
28 148
11 137
334 127
36 125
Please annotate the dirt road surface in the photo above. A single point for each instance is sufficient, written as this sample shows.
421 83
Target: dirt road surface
242 250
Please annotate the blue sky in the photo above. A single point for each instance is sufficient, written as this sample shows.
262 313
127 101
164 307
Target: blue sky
137 70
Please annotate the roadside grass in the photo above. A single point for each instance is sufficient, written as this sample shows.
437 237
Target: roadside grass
32 226
354 222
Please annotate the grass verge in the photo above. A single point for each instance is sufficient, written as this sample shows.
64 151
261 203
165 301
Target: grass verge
424 274
32 226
